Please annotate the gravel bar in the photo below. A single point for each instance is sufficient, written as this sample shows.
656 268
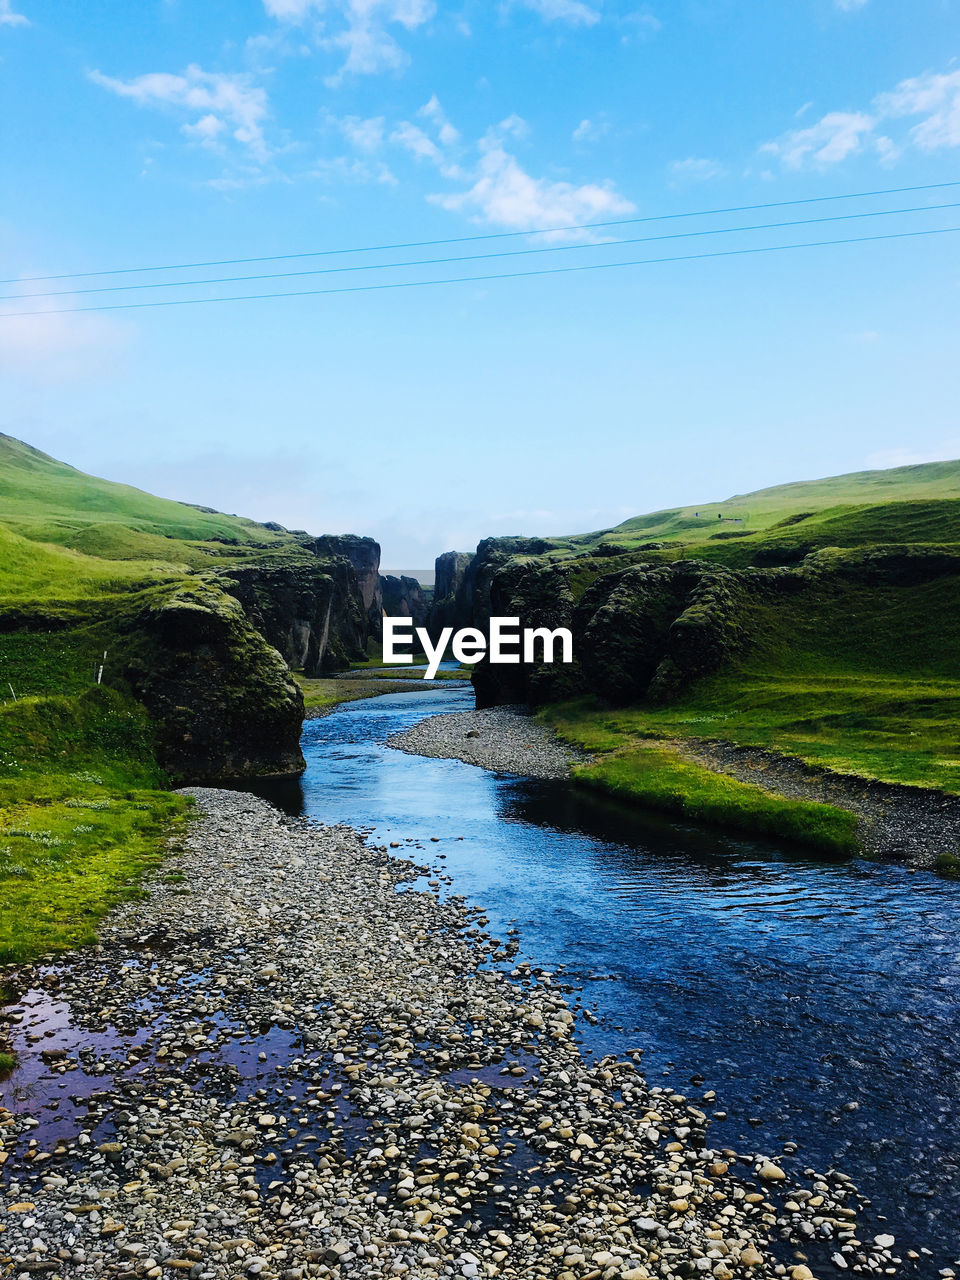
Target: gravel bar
297 1057
501 738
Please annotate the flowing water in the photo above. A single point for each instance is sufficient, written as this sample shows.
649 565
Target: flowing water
821 1001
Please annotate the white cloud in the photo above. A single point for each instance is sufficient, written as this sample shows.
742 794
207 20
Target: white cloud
639 25
10 18
590 130
504 194
695 169
433 111
837 135
413 139
358 28
219 100
497 189
849 6
933 96
573 12
206 129
355 170
440 150
937 99
365 135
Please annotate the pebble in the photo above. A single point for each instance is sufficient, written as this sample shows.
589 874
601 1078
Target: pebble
505 739
284 1068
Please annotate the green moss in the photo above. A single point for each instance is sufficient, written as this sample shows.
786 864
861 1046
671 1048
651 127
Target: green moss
949 863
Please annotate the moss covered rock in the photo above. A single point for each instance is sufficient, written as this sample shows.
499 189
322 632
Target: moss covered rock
222 698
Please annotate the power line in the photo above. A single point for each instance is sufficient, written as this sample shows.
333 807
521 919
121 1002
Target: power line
497 235
506 275
479 257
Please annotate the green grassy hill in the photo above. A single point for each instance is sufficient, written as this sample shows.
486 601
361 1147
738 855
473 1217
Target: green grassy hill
864 498
47 501
84 804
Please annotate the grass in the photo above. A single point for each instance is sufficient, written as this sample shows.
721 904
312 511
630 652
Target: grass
850 673
85 815
321 693
897 730
658 778
65 862
873 726
808 502
52 501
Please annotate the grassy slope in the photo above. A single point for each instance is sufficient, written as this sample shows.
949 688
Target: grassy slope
83 814
83 807
49 501
817 500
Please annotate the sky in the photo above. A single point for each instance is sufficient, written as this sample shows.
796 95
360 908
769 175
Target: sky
182 132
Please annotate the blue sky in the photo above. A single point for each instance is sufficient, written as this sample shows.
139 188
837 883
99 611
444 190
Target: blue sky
175 132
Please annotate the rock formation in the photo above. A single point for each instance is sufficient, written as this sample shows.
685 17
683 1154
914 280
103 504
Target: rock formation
314 615
364 555
404 597
222 699
450 608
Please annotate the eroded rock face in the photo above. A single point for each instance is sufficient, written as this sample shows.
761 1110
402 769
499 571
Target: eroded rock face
222 698
315 616
404 597
646 632
538 593
450 570
364 555
650 631
449 607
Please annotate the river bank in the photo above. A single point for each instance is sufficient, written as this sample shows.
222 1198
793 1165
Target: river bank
499 738
279 1065
745 788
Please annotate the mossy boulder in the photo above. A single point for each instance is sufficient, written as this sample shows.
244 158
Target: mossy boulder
222 698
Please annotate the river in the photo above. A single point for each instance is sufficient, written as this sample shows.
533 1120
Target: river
820 1000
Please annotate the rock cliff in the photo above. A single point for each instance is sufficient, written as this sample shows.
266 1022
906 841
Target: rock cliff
364 555
313 614
449 607
404 597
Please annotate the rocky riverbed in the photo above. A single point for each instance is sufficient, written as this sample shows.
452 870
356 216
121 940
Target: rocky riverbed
301 1056
500 738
